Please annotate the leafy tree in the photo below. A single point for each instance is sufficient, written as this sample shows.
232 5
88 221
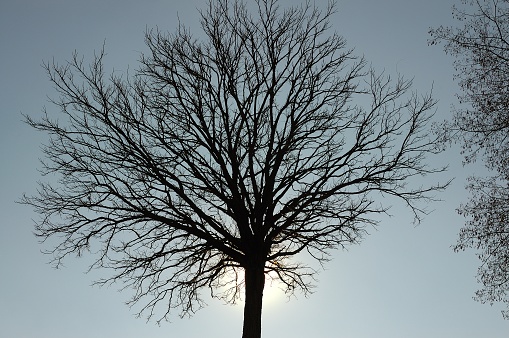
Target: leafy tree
481 125
224 157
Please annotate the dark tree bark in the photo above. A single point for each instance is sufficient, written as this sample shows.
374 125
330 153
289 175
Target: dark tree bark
264 139
255 282
481 125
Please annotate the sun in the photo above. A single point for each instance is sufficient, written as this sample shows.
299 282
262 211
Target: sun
272 293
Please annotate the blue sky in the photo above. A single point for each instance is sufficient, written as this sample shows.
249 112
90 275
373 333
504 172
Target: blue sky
402 281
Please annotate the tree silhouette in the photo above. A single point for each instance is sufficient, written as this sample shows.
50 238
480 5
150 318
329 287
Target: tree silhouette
231 153
481 126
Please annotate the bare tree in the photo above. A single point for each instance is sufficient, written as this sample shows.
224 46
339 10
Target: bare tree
229 154
481 125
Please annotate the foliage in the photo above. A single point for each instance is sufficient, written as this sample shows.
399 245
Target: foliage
481 125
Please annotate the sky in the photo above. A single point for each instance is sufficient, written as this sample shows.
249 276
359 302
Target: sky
402 281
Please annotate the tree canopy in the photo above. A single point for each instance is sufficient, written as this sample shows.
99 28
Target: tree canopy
480 124
263 138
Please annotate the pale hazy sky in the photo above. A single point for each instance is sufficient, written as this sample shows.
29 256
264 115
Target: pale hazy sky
403 281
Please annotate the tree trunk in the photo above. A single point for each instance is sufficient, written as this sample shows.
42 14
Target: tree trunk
255 281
